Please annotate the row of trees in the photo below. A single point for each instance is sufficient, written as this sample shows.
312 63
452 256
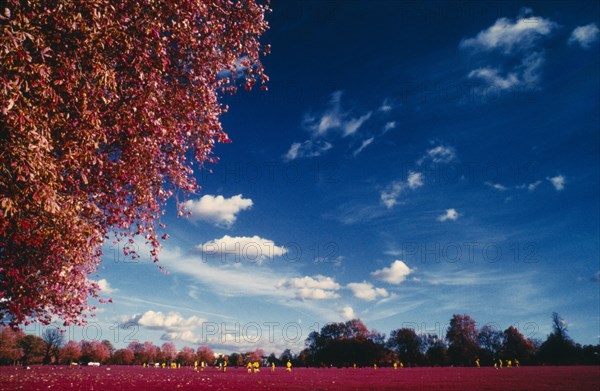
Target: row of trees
345 344
336 344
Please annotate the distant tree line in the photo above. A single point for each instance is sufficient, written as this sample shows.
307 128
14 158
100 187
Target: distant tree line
341 344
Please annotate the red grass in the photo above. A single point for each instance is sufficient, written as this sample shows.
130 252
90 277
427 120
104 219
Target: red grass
130 378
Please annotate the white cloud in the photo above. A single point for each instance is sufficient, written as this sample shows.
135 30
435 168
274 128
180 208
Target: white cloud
218 210
395 274
415 180
347 313
366 291
516 40
496 186
451 214
308 288
386 106
531 186
389 196
105 286
253 248
510 36
439 154
351 126
364 144
388 126
558 182
584 36
172 321
187 336
308 148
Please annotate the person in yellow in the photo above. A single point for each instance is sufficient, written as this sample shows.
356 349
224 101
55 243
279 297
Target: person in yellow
477 362
256 367
401 364
195 366
509 364
517 363
272 367
225 366
354 365
202 366
395 365
288 366
375 366
249 366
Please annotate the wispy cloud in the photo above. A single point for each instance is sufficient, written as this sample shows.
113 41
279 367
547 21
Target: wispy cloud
389 196
218 210
510 36
438 154
584 36
363 145
517 40
324 127
496 186
307 149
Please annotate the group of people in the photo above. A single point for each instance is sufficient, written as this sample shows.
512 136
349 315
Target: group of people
500 364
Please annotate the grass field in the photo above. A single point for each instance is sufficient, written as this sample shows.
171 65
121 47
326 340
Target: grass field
138 378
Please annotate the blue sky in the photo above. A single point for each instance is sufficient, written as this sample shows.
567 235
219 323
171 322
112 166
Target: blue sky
409 161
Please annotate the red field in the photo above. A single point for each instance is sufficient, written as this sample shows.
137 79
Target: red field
129 378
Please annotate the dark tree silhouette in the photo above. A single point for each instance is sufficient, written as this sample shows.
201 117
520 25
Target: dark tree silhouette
462 337
54 339
558 349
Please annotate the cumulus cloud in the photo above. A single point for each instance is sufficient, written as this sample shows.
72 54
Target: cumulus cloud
105 286
389 196
218 210
347 313
366 291
308 288
415 180
395 274
451 214
171 322
558 182
253 248
187 336
584 36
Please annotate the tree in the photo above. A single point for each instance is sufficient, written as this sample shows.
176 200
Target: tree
70 352
286 356
491 342
558 349
205 354
407 344
94 351
168 352
101 104
54 340
10 351
123 357
186 356
462 338
33 349
236 359
516 346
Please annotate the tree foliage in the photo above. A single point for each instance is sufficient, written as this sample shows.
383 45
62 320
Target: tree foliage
102 105
462 339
